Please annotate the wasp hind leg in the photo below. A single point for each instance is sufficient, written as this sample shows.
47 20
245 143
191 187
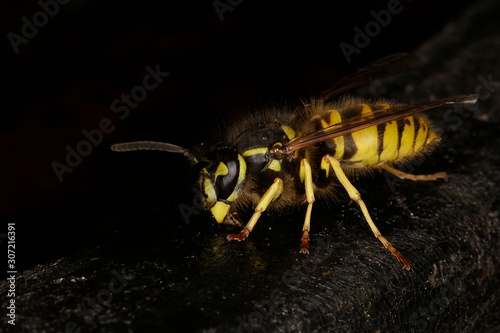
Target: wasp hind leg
306 178
354 195
272 193
403 175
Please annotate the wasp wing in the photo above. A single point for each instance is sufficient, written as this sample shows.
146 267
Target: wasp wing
366 120
388 66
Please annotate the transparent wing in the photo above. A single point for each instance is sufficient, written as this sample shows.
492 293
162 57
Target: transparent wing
366 120
388 66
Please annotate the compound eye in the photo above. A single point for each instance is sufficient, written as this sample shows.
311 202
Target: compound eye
227 174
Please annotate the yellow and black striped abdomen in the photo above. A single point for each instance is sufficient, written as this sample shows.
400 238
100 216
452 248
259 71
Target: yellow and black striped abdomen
393 141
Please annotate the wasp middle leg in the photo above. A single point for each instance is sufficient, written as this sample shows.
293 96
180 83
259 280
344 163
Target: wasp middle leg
354 195
306 178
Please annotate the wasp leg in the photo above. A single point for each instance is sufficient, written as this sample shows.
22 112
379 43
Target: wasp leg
306 178
272 193
403 175
354 194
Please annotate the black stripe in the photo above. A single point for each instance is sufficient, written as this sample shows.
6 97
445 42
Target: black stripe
380 135
416 127
350 148
425 128
317 123
401 128
332 147
328 147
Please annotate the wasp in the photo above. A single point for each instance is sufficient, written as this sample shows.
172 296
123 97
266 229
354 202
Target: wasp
277 158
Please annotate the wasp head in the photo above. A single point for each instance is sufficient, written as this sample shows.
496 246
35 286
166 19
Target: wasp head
221 181
223 173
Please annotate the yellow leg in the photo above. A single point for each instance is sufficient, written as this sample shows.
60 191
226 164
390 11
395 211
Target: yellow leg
354 194
404 175
306 178
271 194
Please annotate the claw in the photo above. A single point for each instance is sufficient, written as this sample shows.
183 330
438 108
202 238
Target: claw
304 245
238 237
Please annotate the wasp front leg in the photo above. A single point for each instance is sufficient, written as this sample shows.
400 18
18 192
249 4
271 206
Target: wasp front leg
271 194
306 178
233 219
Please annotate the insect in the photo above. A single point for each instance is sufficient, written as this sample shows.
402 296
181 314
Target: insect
277 158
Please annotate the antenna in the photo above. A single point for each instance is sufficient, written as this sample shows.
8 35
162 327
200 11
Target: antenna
153 145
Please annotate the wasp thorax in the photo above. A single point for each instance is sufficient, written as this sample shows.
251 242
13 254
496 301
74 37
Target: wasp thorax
256 145
222 180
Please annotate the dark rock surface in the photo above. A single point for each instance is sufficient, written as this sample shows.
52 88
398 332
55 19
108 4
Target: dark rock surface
157 273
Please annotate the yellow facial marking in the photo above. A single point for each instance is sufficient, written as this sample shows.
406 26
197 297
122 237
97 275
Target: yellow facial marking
243 169
219 211
274 165
254 151
233 196
290 133
222 170
209 190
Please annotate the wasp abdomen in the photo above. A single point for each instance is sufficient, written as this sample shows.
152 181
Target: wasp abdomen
394 141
